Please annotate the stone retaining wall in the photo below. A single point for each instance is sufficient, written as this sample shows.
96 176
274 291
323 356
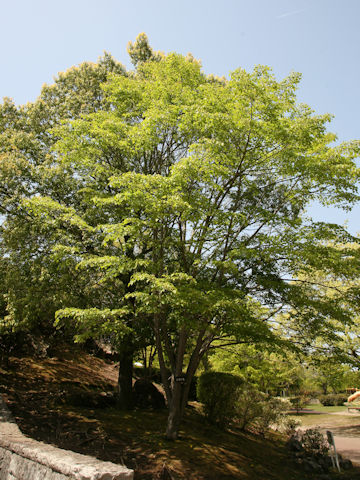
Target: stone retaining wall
22 458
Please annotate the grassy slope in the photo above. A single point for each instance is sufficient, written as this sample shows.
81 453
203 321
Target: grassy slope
35 391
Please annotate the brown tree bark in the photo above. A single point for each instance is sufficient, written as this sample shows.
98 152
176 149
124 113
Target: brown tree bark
125 394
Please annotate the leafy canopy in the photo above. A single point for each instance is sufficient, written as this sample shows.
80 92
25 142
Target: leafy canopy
199 187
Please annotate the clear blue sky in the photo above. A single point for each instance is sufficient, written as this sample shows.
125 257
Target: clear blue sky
319 38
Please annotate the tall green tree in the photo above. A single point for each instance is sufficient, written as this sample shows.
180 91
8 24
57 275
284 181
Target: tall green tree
193 201
33 286
35 283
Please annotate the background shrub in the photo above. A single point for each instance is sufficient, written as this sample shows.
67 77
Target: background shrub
341 399
333 399
249 407
227 399
259 411
273 414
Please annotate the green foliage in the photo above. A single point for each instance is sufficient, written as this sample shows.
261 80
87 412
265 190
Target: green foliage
218 393
140 51
299 402
331 375
259 411
34 283
99 322
227 399
268 371
334 284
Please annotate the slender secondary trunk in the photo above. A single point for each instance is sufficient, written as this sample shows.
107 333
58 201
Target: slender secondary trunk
206 363
125 394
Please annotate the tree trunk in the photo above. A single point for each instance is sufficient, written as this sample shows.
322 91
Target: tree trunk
179 397
173 423
175 412
125 395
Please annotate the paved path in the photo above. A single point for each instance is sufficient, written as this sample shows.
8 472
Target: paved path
347 440
349 447
347 437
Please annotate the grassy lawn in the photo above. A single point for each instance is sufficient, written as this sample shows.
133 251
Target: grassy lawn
327 417
321 408
324 420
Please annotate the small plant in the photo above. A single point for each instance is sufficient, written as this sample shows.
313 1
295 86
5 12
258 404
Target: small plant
249 407
314 443
289 426
227 399
273 414
259 411
299 402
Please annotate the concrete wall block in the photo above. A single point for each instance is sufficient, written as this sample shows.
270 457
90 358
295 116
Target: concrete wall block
24 469
5 458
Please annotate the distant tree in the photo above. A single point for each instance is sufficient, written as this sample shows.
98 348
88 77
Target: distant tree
334 283
331 374
269 372
38 281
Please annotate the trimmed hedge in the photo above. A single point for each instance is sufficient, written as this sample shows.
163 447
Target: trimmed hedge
333 399
218 392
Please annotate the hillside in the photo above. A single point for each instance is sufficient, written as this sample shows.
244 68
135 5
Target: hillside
46 396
